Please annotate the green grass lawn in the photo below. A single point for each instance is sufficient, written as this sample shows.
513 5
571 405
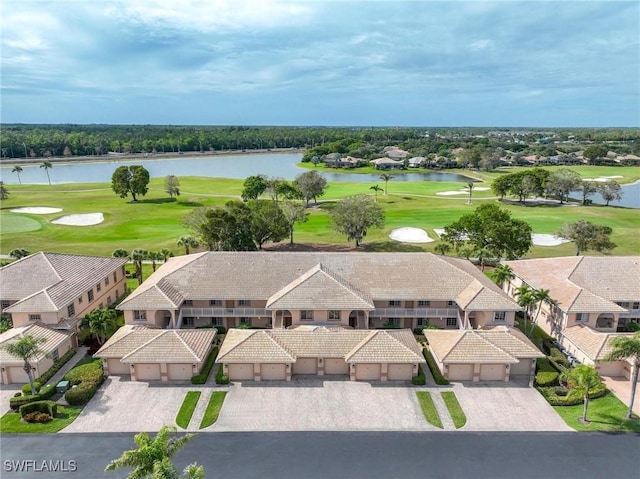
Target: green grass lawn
455 410
186 410
11 422
606 413
155 222
429 409
213 408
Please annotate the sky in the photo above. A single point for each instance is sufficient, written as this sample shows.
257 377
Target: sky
332 63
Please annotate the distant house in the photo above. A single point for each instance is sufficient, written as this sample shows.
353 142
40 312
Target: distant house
387 164
394 152
416 161
336 161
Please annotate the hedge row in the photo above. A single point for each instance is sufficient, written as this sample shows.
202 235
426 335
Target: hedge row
546 379
435 372
560 396
86 377
556 356
26 389
543 365
45 393
47 407
204 374
420 379
220 376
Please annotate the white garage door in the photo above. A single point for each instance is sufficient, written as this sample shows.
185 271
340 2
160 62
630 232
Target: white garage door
148 372
16 374
460 372
523 368
116 367
305 366
368 372
180 372
492 372
240 372
335 366
270 372
400 372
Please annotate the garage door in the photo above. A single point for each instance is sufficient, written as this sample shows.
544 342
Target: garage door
180 372
305 366
16 375
116 367
492 372
368 372
240 372
460 372
614 368
400 372
335 366
523 368
148 372
271 372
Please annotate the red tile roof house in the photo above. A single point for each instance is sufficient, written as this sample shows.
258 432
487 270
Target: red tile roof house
343 296
592 295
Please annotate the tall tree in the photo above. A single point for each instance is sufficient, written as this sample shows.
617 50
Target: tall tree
229 228
386 177
132 180
294 213
26 348
587 188
490 227
312 185
17 169
254 186
120 253
442 248
469 188
610 191
99 322
542 297
18 253
583 379
172 185
501 274
587 235
355 215
46 165
187 242
4 193
152 458
593 153
268 223
377 189
138 256
562 182
526 300
166 254
627 348
154 257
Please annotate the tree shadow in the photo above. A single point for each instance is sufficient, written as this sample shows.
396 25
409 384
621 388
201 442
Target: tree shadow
390 247
155 201
190 204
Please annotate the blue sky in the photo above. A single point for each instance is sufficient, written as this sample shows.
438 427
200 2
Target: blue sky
265 62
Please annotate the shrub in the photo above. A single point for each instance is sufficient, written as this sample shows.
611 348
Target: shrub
545 379
435 372
543 365
221 329
81 394
47 407
37 416
87 376
557 357
420 379
45 393
569 397
26 388
204 374
221 378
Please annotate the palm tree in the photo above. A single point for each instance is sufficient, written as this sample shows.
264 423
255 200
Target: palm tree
583 379
99 323
138 256
501 274
187 242
18 253
166 254
526 300
483 254
627 348
120 253
442 248
470 186
155 256
17 169
386 177
26 348
46 165
542 297
152 458
376 188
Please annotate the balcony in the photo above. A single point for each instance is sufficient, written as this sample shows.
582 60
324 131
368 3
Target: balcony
224 312
632 313
414 313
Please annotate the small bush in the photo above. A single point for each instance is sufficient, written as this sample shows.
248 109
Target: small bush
420 379
569 397
546 379
26 388
47 407
206 370
221 329
543 365
86 376
45 393
80 394
221 378
557 357
37 417
435 372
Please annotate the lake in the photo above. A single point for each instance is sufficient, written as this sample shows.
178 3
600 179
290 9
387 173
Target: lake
281 165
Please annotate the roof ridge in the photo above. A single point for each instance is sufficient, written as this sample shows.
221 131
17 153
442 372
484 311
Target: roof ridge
247 336
344 283
361 344
179 336
51 265
165 282
280 345
145 344
474 282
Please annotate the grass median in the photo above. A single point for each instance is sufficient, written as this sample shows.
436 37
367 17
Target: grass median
213 408
185 413
455 410
429 409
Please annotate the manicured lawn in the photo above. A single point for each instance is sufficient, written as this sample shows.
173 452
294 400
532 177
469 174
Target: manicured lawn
456 412
213 409
429 409
11 422
606 414
17 223
186 410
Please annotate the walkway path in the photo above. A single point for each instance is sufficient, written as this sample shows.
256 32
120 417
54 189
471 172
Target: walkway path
57 377
443 411
198 413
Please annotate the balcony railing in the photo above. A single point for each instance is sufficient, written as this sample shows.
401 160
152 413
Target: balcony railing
414 313
225 312
632 313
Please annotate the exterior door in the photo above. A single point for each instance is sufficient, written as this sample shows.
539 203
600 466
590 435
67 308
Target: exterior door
335 366
305 366
400 372
179 372
368 371
116 367
460 372
492 372
240 372
273 372
148 372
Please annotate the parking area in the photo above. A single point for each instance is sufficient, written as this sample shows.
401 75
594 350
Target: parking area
7 391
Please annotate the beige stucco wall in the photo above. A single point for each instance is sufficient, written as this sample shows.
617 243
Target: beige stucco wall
486 318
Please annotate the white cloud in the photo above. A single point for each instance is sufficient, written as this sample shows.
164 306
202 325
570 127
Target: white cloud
481 44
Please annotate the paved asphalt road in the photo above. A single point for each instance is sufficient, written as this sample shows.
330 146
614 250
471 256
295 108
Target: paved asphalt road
333 455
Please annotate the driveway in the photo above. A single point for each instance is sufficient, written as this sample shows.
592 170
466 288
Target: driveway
621 387
6 393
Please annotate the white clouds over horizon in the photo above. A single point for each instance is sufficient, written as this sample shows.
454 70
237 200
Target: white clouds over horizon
322 63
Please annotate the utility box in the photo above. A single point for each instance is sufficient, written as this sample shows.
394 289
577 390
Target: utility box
63 386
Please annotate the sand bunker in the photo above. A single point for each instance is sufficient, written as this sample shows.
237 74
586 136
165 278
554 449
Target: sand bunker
410 235
547 240
87 219
37 210
451 193
602 179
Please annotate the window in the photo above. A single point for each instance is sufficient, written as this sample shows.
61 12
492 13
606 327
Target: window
244 320
216 321
623 304
117 295
187 321
424 302
98 287
244 302
423 322
188 302
109 301
55 356
34 317
452 321
140 315
124 271
499 316
334 315
394 302
635 305
4 304
115 276
393 322
451 303
90 295
71 310
306 315
80 299
582 317
215 302
106 281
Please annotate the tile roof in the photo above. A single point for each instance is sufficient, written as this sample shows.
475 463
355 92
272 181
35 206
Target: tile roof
583 283
54 339
363 277
286 345
595 344
48 282
135 344
496 345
